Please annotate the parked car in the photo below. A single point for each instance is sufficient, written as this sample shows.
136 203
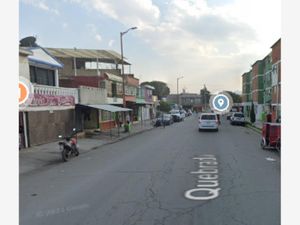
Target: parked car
238 118
176 118
208 121
228 116
182 113
176 115
167 119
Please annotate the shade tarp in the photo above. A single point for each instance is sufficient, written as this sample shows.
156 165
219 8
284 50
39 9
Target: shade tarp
110 108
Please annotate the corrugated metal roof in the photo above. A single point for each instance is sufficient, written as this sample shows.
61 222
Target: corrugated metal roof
110 108
40 56
114 77
25 51
107 55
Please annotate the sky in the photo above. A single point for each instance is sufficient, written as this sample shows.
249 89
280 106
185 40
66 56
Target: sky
208 42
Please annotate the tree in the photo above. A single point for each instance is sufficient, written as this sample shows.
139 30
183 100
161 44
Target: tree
236 98
205 96
252 113
161 88
164 106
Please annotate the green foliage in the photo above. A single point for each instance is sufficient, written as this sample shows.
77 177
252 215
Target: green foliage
161 88
205 95
236 98
164 106
252 113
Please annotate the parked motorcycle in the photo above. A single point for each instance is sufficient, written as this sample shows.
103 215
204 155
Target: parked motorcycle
69 146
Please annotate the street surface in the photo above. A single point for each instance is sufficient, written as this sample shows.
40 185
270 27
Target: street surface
144 179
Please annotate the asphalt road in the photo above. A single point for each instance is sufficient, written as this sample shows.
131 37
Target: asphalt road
143 180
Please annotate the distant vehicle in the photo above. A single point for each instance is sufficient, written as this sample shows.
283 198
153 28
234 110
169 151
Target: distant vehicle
238 118
208 121
167 119
176 118
182 114
176 115
229 115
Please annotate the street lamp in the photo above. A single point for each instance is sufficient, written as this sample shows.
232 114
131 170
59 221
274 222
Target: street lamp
123 77
178 78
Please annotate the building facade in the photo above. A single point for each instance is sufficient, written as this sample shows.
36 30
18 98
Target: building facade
262 86
50 109
186 100
276 80
257 79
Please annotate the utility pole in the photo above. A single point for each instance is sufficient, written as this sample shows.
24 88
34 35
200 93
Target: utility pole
122 58
178 78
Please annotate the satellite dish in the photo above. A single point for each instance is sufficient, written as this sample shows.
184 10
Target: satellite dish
28 42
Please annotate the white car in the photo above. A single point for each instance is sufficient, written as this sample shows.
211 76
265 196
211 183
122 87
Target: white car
238 118
208 121
176 113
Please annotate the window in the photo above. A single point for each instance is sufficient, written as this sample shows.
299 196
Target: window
114 89
208 117
42 76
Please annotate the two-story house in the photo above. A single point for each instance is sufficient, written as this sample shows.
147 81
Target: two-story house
51 110
97 69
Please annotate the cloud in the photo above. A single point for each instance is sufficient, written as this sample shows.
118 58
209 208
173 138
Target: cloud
40 4
111 43
92 28
200 39
140 13
65 25
98 37
93 31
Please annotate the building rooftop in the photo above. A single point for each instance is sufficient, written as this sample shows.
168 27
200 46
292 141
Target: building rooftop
108 56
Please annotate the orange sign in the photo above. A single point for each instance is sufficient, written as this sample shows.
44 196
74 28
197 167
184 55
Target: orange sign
23 92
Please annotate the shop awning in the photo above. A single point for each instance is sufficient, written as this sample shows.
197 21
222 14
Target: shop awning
110 108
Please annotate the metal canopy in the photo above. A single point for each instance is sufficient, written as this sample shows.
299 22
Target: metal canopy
108 56
110 108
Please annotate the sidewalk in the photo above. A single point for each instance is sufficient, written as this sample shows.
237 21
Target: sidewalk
36 157
257 125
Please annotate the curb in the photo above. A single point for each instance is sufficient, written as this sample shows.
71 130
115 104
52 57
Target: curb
256 129
47 164
117 140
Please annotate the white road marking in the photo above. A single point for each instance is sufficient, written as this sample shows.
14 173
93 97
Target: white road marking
270 159
207 187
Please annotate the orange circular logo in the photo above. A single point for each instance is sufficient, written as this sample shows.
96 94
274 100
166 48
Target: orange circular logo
23 92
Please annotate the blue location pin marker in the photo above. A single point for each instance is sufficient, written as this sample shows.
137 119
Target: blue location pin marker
221 103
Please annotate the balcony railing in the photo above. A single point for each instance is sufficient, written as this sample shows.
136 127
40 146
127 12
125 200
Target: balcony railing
56 91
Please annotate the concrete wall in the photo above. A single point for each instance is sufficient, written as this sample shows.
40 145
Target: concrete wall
45 126
24 67
92 95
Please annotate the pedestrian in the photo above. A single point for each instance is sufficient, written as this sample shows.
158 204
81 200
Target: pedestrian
269 118
127 117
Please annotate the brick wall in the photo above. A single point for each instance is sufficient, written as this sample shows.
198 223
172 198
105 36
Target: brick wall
276 52
254 81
